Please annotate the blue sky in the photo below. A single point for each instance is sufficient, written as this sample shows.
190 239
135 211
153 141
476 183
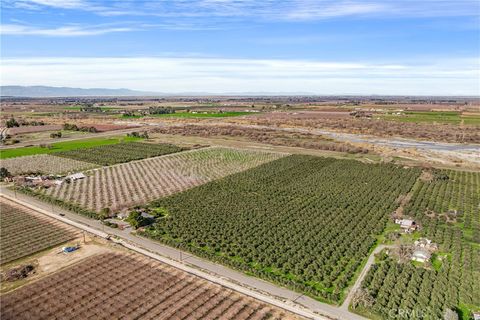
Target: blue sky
428 47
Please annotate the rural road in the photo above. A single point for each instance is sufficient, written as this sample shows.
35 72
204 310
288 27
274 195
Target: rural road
358 282
252 286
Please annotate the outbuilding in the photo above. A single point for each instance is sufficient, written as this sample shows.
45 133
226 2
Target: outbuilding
76 176
408 225
421 256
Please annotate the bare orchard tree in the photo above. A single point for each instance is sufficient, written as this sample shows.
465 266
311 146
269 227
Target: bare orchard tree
362 297
404 253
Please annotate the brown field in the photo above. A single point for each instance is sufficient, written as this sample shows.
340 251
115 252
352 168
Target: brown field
376 127
31 129
25 232
129 286
262 135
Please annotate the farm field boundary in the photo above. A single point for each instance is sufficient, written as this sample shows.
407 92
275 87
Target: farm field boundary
63 146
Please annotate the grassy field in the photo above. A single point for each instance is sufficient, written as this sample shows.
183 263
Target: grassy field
63 146
195 115
451 117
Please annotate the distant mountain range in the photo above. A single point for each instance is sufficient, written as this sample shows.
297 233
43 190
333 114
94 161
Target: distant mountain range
45 91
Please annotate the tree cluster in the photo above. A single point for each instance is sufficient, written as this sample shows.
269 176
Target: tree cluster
161 110
74 127
135 134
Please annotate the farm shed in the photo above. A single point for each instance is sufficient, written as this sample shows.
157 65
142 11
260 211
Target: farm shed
76 176
408 225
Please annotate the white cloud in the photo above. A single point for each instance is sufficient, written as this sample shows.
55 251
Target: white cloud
320 10
265 10
65 31
176 75
68 4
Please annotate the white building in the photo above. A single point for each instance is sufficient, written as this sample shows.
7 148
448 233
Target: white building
76 176
421 256
408 225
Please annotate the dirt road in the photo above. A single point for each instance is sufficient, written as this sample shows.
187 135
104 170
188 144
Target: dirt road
358 282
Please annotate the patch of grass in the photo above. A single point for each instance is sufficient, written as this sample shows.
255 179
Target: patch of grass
365 313
63 146
390 228
452 117
436 262
465 311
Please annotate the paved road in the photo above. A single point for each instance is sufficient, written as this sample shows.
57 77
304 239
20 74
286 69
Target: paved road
370 261
290 300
